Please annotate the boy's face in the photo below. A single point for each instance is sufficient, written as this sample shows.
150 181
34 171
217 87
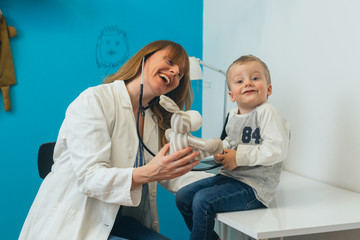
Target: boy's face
248 85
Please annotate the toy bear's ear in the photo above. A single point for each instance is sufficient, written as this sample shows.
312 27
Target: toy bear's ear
168 104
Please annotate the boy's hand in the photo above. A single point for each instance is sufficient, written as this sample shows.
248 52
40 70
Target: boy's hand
227 158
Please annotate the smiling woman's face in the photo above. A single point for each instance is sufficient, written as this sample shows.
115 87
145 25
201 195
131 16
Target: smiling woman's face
161 74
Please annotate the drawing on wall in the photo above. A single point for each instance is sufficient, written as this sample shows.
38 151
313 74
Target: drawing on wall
112 48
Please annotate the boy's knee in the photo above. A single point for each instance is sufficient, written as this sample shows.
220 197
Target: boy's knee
181 197
200 200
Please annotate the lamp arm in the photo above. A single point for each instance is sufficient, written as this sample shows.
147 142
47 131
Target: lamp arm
212 67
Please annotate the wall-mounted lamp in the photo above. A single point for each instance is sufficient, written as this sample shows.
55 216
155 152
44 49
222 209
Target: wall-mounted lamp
195 69
196 73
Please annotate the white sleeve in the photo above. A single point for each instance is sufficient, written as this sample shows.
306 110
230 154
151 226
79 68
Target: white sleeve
87 129
226 144
274 131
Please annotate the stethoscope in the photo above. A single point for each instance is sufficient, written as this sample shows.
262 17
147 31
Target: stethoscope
142 110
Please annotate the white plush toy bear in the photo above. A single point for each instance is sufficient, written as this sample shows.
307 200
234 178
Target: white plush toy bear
182 123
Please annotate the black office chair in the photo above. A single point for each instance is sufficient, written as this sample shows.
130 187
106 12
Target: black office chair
45 158
223 133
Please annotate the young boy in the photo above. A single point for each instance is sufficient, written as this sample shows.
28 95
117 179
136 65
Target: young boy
255 147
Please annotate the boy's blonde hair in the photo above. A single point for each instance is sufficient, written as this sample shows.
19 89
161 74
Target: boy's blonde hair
247 59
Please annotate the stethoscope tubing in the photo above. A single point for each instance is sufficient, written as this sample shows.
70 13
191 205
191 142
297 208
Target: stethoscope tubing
142 111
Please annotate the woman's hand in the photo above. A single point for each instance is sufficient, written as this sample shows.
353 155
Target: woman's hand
164 167
227 158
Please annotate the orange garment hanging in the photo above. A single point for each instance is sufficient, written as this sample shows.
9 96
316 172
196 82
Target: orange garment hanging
7 72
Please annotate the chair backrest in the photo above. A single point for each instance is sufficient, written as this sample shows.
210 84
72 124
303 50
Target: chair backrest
45 158
223 133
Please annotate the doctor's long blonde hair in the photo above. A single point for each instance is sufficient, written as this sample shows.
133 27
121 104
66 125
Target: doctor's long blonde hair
182 95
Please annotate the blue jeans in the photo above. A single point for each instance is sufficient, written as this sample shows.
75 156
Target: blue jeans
200 201
128 228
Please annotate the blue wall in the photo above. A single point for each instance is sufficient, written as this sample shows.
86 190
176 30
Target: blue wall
55 57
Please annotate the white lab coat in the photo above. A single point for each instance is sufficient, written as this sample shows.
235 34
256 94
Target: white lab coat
92 174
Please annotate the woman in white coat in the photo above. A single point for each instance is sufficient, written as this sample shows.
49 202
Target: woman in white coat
101 174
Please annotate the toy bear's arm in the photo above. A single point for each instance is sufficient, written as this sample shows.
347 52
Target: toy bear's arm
211 146
196 142
168 133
